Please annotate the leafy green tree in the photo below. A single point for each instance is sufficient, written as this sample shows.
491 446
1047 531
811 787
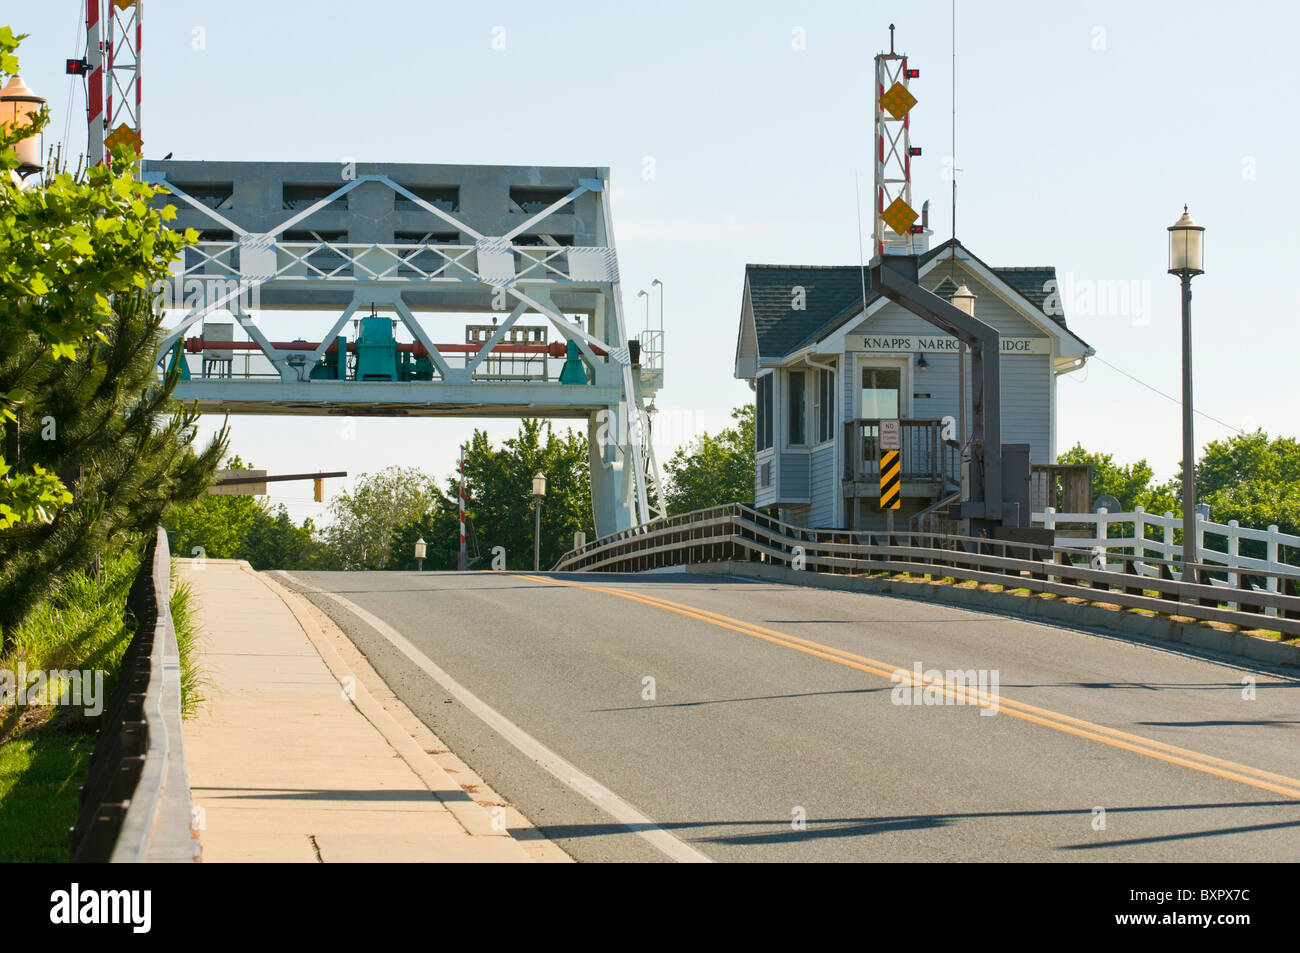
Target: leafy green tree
1253 480
499 502
715 469
67 250
499 492
220 526
1248 478
1132 484
1248 458
365 518
29 497
105 420
215 527
274 542
78 389
440 530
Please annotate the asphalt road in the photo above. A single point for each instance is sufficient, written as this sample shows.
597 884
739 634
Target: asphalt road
775 733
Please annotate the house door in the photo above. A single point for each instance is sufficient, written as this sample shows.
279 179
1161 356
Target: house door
883 394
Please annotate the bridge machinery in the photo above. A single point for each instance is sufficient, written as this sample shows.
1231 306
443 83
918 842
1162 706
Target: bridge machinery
473 291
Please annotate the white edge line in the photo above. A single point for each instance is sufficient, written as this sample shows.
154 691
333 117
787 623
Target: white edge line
563 771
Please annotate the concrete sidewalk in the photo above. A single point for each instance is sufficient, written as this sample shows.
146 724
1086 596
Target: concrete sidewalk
292 757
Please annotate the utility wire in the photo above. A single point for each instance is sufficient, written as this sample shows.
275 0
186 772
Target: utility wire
1157 390
77 40
862 260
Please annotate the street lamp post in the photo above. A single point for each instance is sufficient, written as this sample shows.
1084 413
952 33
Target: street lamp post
654 282
539 491
1186 260
420 550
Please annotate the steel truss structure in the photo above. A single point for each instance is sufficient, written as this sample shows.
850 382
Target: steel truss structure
466 240
893 165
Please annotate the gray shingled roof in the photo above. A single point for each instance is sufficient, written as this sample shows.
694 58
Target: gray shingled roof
828 291
1030 282
833 295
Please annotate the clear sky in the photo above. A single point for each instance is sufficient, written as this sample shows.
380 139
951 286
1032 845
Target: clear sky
1081 130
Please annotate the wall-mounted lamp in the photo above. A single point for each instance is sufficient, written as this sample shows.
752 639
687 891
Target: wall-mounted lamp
921 362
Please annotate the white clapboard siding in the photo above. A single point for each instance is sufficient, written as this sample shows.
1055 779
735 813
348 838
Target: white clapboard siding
824 487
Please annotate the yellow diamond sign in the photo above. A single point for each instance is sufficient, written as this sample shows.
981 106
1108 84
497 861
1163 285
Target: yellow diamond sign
123 137
899 216
898 100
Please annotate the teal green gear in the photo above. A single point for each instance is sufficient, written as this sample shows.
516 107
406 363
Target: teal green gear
178 361
574 371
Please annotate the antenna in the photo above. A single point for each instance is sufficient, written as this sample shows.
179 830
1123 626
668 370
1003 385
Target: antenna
862 263
952 249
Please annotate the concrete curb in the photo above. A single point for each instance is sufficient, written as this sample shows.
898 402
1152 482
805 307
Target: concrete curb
1113 621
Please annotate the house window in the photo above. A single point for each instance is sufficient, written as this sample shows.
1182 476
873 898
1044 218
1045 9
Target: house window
796 433
763 412
881 393
824 406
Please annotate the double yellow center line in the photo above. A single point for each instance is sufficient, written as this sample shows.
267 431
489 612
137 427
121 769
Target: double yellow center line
1171 754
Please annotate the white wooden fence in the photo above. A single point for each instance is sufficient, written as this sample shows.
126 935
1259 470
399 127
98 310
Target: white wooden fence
1125 534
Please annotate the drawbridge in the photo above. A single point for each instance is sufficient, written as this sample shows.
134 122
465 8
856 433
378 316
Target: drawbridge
413 291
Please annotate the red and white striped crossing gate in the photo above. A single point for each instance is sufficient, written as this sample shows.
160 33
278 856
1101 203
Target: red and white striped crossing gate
462 562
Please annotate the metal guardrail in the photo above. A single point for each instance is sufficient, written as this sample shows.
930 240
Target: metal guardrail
135 804
736 532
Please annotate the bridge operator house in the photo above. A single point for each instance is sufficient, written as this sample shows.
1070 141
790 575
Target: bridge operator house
827 367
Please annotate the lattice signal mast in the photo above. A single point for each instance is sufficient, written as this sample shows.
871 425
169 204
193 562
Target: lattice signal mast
895 218
114 34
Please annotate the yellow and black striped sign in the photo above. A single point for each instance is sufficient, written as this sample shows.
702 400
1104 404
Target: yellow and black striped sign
891 480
